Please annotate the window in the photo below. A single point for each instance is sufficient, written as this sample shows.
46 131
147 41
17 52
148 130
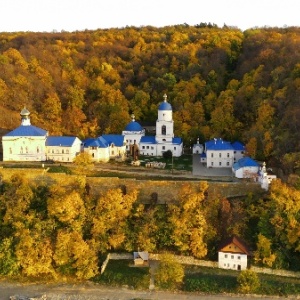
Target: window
227 164
163 130
52 150
26 149
232 256
174 148
37 149
152 147
238 257
212 155
62 151
220 164
227 154
163 147
143 147
147 147
212 163
225 255
220 154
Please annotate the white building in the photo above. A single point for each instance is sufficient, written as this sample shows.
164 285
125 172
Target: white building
221 154
62 148
133 133
233 254
198 148
246 167
98 149
116 144
164 139
26 142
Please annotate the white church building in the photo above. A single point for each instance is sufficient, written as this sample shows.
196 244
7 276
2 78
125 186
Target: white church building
164 139
31 143
26 142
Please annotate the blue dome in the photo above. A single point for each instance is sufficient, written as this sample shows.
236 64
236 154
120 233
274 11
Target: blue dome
133 126
165 106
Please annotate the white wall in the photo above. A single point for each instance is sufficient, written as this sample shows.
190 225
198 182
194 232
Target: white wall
24 148
219 158
98 154
246 172
233 261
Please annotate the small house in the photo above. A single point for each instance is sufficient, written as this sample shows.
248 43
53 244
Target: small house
233 254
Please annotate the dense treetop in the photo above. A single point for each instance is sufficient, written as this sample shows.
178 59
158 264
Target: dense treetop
221 82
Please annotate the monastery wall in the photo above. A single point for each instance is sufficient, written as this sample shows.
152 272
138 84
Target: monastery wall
162 191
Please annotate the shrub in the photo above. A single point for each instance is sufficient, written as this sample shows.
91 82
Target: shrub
169 273
248 282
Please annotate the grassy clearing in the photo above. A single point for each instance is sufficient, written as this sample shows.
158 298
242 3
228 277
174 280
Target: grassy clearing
197 279
122 272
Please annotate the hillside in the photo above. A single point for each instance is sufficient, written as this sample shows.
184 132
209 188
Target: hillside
221 82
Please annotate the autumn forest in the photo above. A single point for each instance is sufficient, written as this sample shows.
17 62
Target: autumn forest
221 82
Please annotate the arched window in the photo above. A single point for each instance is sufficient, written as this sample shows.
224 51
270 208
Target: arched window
163 130
37 149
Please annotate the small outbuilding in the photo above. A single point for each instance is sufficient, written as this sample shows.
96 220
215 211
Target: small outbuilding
246 167
141 258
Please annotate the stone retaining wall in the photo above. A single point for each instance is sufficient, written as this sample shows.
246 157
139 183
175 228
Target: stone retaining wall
165 191
284 273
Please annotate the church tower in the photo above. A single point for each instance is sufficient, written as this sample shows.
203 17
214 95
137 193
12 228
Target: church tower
164 123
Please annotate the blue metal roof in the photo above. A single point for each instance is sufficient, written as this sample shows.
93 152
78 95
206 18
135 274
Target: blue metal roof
64 141
133 126
177 140
218 144
98 142
148 140
116 139
245 162
238 146
165 106
27 130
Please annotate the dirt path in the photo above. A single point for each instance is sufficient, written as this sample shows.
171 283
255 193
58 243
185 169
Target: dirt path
91 291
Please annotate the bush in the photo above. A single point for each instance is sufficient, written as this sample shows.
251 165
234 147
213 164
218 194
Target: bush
248 282
169 273
168 154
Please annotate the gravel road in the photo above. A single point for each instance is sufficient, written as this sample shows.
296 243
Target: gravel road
91 291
